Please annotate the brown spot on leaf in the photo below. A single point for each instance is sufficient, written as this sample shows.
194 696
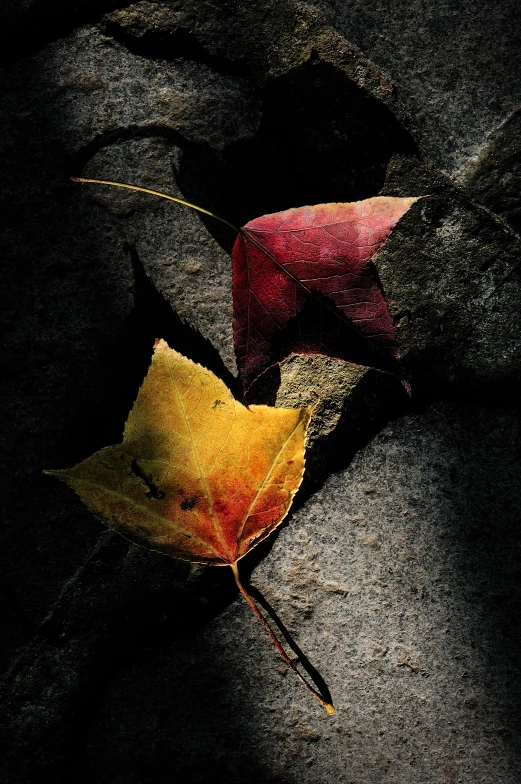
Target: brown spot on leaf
189 503
153 492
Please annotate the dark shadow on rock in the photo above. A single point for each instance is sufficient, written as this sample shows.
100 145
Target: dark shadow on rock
176 42
171 680
479 462
305 665
335 137
264 389
322 139
151 318
26 27
123 604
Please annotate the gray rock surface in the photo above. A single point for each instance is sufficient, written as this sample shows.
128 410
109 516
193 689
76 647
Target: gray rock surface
455 299
397 572
493 177
455 64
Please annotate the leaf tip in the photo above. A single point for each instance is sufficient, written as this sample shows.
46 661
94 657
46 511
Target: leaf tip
57 473
329 709
408 201
160 345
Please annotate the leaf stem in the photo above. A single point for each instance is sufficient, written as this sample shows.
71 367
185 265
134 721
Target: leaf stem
328 707
155 193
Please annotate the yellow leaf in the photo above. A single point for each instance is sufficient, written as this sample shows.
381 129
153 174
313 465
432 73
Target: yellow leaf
198 475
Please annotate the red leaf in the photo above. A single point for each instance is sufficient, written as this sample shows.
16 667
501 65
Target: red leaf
303 283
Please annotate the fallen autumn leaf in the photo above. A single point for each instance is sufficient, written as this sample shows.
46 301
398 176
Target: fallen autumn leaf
303 284
198 475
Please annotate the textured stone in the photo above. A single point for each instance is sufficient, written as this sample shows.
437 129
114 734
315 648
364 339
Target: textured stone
493 177
454 64
450 272
99 87
186 263
320 382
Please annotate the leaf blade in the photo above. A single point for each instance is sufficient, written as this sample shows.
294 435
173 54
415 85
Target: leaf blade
284 261
194 465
